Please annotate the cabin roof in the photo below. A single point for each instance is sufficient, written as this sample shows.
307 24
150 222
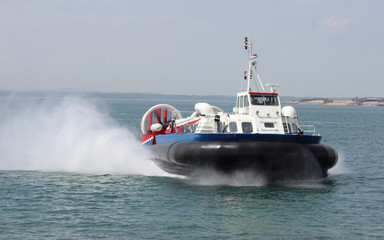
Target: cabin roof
264 93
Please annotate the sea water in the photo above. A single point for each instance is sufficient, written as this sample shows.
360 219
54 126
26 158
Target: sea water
72 167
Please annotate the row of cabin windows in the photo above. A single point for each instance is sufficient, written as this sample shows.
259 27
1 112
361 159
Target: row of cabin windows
242 101
270 100
257 99
247 126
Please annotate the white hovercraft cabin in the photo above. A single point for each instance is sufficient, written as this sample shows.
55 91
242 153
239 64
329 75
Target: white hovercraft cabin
257 111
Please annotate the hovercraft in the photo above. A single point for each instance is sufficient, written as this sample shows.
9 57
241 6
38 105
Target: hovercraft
260 137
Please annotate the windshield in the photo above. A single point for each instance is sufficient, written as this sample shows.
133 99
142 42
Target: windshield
259 99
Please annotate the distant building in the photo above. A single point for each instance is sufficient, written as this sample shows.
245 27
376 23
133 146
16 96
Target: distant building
372 99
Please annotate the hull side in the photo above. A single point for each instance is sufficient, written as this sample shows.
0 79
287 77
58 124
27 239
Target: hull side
230 137
270 159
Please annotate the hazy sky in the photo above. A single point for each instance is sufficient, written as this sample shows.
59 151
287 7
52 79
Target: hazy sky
330 48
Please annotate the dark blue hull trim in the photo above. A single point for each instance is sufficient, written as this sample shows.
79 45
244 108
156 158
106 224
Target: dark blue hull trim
272 160
203 137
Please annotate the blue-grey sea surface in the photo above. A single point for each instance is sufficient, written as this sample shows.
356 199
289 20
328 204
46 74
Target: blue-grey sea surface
72 167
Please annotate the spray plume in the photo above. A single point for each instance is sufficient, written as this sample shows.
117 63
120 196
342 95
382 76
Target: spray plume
69 134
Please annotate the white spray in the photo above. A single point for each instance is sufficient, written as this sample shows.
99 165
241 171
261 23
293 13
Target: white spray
69 134
340 167
239 178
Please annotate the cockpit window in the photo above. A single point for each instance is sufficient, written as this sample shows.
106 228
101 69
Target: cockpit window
232 127
246 103
259 99
247 127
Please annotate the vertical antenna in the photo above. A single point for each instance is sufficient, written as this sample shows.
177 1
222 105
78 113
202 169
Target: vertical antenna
251 67
248 45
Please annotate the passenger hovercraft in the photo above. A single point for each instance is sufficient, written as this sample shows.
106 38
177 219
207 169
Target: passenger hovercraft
259 137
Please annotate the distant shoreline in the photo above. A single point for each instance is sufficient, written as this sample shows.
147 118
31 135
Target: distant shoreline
369 101
337 102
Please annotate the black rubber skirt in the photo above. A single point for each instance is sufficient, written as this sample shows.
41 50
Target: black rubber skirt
270 159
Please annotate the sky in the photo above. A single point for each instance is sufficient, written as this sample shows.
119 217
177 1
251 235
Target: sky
312 48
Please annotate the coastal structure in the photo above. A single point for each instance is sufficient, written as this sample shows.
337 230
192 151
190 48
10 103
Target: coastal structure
368 101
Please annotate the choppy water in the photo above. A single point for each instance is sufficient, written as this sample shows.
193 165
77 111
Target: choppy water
72 168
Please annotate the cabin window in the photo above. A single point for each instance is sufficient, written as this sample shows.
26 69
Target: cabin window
246 102
238 102
242 101
260 99
269 125
232 127
257 100
247 127
271 100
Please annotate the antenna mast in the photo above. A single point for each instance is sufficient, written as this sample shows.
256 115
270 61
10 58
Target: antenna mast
252 65
246 45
